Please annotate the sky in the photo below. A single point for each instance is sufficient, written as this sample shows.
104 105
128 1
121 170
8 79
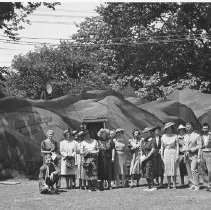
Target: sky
49 26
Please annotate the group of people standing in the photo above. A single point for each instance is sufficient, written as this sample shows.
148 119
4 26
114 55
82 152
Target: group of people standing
102 162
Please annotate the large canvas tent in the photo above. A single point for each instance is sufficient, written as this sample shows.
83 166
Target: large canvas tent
199 102
172 111
24 123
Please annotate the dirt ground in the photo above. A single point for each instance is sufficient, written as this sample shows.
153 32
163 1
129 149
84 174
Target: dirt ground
26 196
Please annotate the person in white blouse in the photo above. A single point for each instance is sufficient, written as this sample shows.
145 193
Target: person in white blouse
170 153
68 151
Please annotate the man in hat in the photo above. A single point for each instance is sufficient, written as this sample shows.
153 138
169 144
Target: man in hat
192 145
206 151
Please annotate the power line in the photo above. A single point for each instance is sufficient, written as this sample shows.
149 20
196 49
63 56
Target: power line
39 38
67 10
4 48
47 22
124 38
100 44
67 16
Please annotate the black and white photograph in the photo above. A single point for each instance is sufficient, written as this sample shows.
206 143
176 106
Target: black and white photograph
105 105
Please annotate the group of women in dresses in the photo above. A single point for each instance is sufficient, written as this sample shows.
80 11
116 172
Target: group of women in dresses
103 162
156 155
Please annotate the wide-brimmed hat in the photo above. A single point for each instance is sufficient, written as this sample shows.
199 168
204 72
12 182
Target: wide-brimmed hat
65 133
81 133
101 131
181 127
167 125
119 130
147 129
75 132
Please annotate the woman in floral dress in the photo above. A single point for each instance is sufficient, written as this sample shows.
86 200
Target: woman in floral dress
90 150
148 148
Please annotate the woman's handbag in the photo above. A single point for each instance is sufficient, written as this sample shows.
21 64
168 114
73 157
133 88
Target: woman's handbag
70 162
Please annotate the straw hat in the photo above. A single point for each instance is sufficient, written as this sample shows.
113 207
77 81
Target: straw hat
75 132
80 133
181 127
65 133
167 125
119 130
147 129
101 131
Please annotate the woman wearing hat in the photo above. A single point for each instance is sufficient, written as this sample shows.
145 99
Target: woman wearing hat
134 147
68 152
105 157
182 167
119 157
90 150
170 153
147 157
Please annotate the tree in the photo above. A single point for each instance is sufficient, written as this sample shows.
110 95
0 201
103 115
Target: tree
67 68
12 15
174 43
3 71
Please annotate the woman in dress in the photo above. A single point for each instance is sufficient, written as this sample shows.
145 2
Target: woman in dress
134 147
79 159
105 157
90 150
170 153
148 148
182 167
68 151
48 145
119 157
158 162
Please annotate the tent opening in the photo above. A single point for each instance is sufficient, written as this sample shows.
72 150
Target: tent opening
94 125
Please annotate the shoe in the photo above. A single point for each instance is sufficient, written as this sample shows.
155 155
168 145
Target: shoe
196 188
147 189
168 188
174 188
152 189
191 187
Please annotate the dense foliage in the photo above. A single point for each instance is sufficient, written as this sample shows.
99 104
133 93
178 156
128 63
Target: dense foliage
153 47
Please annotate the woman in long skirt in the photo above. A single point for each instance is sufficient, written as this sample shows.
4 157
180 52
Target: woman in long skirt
148 149
170 153
68 151
90 150
135 166
105 157
120 157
